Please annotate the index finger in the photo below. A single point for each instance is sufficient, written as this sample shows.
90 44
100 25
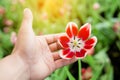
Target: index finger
53 37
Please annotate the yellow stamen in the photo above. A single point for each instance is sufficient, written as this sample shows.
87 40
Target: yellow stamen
75 43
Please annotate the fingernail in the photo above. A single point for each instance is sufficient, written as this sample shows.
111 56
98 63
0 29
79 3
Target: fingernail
26 10
27 13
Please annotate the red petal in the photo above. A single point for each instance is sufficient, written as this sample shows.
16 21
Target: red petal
74 29
68 31
71 29
70 55
83 70
84 31
92 40
88 46
63 41
81 54
66 54
90 43
65 51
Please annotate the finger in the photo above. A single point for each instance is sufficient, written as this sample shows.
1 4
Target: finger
56 56
26 25
55 46
53 37
63 62
26 34
26 31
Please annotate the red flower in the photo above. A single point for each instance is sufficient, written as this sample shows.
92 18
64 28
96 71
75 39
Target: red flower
76 43
86 73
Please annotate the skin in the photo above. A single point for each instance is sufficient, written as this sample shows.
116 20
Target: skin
33 57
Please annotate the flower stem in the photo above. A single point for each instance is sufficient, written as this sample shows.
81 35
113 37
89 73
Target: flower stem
79 70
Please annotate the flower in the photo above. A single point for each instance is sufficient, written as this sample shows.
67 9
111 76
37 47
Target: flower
116 27
13 38
6 29
8 22
86 73
76 43
96 6
2 10
22 1
44 16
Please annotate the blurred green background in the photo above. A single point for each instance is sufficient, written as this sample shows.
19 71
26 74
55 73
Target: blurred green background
51 16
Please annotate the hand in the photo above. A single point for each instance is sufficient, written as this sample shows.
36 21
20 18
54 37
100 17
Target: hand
39 53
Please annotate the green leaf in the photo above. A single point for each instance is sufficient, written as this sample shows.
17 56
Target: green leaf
1 53
90 60
97 72
101 56
70 76
118 44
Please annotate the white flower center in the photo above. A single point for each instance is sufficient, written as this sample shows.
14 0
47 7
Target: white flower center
76 44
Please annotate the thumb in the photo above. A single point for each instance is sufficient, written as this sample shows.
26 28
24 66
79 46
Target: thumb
26 33
26 26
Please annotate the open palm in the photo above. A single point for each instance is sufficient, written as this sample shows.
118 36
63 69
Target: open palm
38 52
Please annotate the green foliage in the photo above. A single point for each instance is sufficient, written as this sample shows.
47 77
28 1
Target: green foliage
49 20
5 44
9 21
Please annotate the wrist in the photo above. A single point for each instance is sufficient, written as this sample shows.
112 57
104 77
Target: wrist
20 66
13 67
